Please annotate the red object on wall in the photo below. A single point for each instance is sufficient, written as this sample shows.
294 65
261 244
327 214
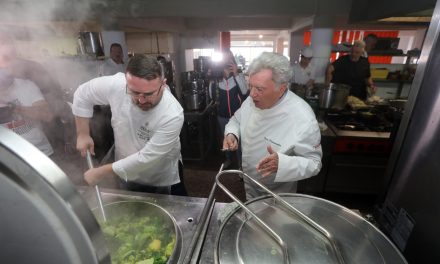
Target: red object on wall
225 40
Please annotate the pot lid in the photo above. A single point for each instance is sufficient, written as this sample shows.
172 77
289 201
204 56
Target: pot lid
242 240
43 218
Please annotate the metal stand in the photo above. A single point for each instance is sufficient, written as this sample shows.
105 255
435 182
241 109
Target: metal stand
323 232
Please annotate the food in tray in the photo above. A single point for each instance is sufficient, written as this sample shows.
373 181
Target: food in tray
355 102
138 239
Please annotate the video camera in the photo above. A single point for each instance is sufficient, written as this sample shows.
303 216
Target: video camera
217 70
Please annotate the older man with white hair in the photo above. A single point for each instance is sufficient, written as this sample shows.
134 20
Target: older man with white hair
279 134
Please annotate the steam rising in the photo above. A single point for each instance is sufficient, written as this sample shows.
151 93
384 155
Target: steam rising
46 32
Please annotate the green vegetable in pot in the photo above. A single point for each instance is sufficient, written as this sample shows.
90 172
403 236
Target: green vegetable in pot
138 239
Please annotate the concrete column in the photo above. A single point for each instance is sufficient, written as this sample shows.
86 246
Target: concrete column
296 43
321 45
225 40
279 45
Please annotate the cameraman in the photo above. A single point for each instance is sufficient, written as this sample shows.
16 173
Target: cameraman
231 90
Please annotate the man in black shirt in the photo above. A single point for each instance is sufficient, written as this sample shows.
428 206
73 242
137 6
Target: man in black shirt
353 70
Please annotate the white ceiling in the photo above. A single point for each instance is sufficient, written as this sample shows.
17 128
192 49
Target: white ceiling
180 16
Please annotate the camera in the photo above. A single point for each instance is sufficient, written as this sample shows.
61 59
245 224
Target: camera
217 70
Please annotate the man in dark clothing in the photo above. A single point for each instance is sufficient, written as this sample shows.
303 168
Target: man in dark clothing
353 70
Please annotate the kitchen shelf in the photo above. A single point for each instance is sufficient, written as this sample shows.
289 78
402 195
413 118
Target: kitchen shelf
392 81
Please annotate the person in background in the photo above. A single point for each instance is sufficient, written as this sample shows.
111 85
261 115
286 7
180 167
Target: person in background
370 43
49 87
146 121
304 71
279 134
23 109
232 90
115 63
353 70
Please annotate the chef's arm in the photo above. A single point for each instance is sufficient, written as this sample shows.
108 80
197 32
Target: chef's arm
38 111
329 73
304 160
370 84
96 175
84 141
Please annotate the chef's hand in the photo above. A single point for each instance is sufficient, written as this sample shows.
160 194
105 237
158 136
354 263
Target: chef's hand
95 175
230 142
373 89
84 143
269 164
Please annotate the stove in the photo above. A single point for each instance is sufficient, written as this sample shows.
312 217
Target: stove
366 124
360 151
366 132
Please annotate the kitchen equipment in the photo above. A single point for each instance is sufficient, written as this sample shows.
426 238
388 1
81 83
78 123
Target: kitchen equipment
202 64
90 43
299 89
295 228
98 193
140 215
398 103
194 100
334 96
194 95
43 219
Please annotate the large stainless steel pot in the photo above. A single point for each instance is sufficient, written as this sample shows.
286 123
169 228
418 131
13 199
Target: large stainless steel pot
90 43
334 96
194 100
43 219
134 212
295 228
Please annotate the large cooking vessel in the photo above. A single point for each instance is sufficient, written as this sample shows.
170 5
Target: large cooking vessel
90 43
334 96
43 218
138 214
295 228
194 100
193 91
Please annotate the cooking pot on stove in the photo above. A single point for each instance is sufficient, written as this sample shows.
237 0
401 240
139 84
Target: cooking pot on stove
334 96
296 228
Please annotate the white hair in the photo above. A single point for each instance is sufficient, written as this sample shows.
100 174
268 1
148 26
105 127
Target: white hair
278 64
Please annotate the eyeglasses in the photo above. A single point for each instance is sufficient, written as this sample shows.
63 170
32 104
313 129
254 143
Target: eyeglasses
137 95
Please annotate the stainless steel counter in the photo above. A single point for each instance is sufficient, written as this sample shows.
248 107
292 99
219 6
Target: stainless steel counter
185 210
363 134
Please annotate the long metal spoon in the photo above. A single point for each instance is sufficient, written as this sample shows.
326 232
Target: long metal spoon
98 193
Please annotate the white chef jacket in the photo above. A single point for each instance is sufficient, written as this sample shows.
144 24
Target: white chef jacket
110 67
303 75
290 127
147 143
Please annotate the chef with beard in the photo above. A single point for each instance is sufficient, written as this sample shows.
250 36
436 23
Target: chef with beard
146 121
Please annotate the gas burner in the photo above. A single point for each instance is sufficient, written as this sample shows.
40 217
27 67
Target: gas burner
359 121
